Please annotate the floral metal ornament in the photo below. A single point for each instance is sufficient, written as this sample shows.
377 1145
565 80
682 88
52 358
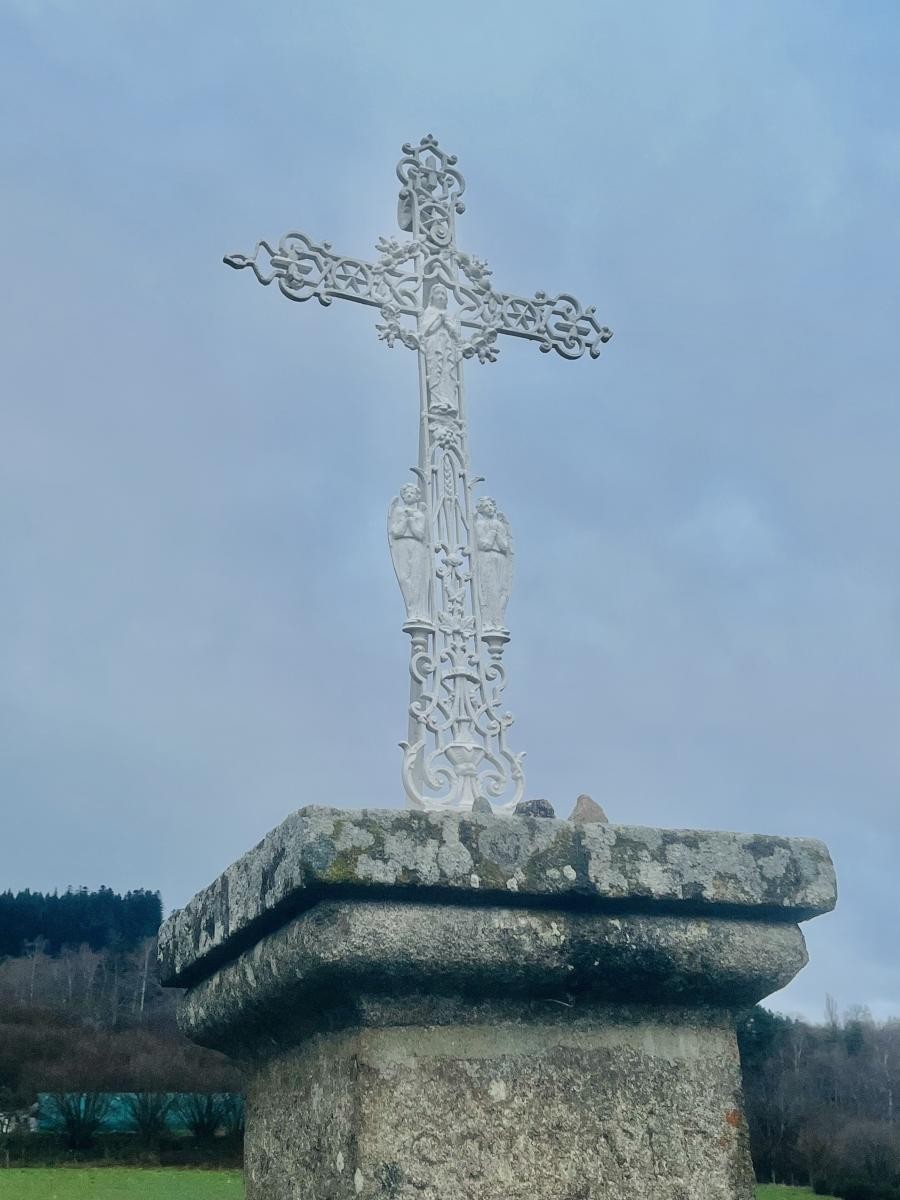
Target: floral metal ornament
453 554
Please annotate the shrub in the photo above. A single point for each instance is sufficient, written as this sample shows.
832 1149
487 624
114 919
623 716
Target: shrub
203 1113
148 1114
233 1115
81 1115
859 1189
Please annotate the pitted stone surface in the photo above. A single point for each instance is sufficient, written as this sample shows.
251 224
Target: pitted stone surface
321 852
301 975
604 1105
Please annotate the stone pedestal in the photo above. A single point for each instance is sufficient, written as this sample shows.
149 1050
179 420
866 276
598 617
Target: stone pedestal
469 1007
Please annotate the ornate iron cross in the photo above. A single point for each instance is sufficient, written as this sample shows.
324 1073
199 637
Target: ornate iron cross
452 554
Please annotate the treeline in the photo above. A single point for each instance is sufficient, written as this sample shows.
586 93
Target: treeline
823 1102
107 989
89 1020
100 920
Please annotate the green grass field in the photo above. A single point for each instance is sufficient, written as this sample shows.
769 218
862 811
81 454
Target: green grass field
118 1183
769 1191
127 1183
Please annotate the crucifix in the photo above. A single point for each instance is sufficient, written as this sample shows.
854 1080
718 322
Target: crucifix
452 553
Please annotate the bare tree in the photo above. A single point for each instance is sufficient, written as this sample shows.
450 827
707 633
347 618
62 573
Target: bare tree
148 1114
203 1113
81 1116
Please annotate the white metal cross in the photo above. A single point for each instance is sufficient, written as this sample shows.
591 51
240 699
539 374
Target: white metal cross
452 554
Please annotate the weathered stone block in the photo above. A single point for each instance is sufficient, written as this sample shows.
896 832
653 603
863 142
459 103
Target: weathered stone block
560 1106
474 1007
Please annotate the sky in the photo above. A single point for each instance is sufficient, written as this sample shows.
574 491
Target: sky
199 624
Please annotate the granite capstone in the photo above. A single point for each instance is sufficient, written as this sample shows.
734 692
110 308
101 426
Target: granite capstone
474 859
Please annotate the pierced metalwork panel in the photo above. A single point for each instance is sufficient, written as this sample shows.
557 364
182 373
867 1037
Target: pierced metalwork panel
452 552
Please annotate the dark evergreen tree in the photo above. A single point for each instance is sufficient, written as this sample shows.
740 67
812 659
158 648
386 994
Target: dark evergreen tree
101 919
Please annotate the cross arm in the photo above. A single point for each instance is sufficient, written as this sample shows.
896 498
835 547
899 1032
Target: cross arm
305 269
555 322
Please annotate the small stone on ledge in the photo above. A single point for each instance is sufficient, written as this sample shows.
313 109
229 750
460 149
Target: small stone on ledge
588 812
534 808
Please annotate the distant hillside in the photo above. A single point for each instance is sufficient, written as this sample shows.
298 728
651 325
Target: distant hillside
81 1006
101 919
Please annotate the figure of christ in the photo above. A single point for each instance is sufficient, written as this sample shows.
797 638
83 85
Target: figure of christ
493 541
441 339
409 543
